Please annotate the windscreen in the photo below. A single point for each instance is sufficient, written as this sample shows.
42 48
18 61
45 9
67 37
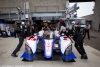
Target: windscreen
48 34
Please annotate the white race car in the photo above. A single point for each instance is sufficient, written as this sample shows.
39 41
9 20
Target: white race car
48 41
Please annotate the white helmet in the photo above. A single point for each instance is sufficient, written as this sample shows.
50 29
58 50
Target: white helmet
73 22
23 23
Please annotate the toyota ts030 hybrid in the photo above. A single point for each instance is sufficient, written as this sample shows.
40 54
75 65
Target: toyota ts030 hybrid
50 41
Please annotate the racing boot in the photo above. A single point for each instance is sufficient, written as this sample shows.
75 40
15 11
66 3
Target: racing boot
84 56
14 55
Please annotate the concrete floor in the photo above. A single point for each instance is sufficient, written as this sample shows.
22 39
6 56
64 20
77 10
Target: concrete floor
7 45
94 40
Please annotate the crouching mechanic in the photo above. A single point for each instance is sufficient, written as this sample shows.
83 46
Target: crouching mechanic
78 38
21 39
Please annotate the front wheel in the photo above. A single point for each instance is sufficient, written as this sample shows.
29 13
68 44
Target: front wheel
64 60
27 60
47 58
70 60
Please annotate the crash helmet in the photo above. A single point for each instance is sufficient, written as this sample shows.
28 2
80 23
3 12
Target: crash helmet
23 23
73 22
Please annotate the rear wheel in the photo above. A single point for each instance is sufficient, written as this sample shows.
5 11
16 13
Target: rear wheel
27 60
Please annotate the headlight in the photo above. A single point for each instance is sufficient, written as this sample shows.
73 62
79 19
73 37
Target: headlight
68 50
28 50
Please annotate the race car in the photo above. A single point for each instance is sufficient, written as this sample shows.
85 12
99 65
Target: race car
50 41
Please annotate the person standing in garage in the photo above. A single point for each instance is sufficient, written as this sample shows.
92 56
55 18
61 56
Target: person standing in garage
78 27
87 28
15 29
62 29
32 30
21 39
29 28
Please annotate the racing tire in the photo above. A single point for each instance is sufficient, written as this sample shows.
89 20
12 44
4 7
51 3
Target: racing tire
72 60
27 60
40 45
64 60
47 58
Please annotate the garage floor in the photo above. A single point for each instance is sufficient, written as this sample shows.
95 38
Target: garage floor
7 45
94 40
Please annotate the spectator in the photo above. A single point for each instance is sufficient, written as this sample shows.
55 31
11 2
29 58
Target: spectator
1 34
78 27
42 24
46 26
50 26
19 30
32 30
25 30
87 28
28 28
15 29
35 25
